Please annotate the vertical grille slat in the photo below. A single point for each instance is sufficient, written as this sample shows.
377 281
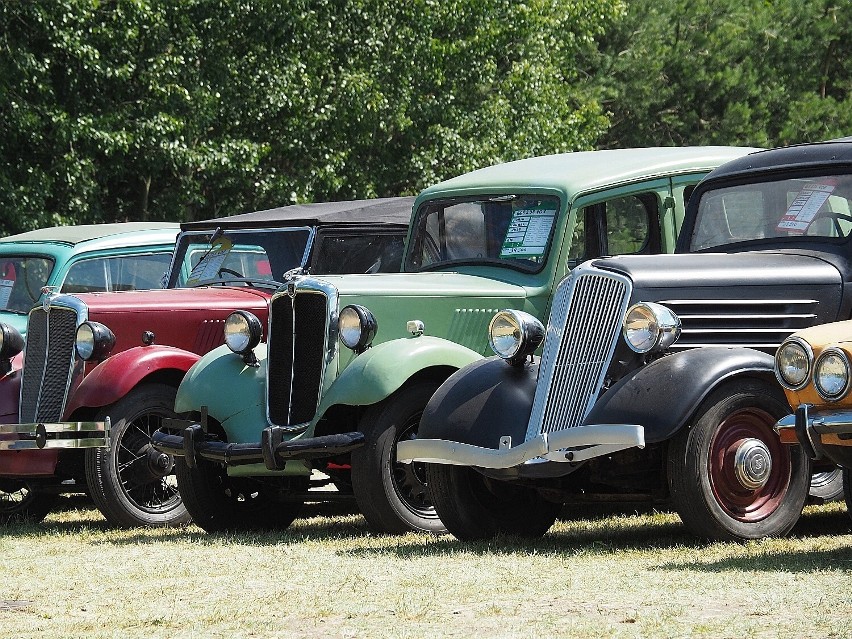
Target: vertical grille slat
582 332
48 364
296 359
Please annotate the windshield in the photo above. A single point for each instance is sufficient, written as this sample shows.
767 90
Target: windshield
508 230
254 254
790 208
21 279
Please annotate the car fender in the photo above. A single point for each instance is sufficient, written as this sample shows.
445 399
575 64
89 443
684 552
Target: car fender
482 403
375 374
10 392
663 395
114 377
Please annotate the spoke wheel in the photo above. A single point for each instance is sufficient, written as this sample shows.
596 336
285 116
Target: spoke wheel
730 478
132 483
19 503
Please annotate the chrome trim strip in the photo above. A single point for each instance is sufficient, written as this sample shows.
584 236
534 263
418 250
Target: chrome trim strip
60 427
30 444
601 439
737 302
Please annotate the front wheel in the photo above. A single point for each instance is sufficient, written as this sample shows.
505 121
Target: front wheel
131 482
847 490
474 507
218 502
826 485
393 497
20 503
730 477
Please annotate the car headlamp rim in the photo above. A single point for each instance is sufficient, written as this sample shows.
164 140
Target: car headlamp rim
357 327
243 331
513 335
93 340
11 341
822 361
649 327
809 357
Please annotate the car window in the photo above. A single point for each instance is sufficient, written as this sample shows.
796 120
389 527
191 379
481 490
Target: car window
21 280
618 226
119 273
790 208
358 253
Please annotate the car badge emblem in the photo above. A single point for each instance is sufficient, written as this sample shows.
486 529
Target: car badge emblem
49 293
291 289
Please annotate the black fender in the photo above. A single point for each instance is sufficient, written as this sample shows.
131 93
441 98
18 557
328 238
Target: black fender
481 403
663 395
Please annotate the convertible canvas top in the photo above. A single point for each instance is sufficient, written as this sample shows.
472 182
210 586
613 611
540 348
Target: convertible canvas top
390 210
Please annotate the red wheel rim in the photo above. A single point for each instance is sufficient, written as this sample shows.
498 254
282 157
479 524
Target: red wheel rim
738 501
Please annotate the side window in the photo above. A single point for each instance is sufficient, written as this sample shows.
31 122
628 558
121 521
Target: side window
124 273
578 251
628 223
86 276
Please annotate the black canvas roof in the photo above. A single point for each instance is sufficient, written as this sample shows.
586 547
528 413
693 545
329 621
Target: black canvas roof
833 153
390 210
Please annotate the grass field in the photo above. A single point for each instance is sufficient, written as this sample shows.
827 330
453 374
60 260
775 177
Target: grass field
604 575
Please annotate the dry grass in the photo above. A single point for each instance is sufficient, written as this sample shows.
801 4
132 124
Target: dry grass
604 575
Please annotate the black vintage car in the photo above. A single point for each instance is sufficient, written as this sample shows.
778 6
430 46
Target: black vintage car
656 378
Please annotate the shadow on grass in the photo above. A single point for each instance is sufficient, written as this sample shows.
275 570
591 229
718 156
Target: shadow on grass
839 558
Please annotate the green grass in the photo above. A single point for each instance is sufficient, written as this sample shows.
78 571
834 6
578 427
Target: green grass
595 574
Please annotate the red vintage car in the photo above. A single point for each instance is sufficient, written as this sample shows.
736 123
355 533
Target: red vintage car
100 371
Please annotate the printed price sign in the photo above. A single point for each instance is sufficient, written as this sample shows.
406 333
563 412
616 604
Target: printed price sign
528 233
805 206
209 266
5 292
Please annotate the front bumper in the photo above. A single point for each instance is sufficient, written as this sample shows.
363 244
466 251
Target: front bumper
59 435
570 445
817 431
194 443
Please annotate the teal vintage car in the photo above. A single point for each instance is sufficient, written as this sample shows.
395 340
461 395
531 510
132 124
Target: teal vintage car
78 259
350 361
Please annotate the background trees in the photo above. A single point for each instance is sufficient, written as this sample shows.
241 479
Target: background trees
129 109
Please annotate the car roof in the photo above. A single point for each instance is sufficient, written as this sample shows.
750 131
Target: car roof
584 171
831 153
389 210
119 233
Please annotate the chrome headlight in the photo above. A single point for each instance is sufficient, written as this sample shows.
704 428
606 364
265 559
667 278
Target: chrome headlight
358 327
514 334
650 327
242 332
94 341
11 341
793 363
831 374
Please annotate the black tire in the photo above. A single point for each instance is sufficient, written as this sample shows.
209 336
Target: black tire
131 483
474 507
826 486
847 490
713 499
218 502
20 503
393 497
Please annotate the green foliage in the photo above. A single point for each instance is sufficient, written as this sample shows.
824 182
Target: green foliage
194 108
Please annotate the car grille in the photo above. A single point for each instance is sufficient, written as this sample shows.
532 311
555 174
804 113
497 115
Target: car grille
757 323
48 364
582 333
298 328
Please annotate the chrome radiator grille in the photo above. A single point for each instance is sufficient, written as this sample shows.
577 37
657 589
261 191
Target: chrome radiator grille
48 364
298 329
582 333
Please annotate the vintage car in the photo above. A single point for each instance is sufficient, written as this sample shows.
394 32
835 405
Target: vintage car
656 380
813 367
352 360
94 358
76 259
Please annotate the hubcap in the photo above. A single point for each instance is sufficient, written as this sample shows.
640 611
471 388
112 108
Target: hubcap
752 464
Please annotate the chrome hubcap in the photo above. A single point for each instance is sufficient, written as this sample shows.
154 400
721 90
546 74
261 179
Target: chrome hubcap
752 464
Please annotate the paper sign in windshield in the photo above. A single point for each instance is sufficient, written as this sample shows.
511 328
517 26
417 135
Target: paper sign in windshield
210 265
5 292
528 233
805 206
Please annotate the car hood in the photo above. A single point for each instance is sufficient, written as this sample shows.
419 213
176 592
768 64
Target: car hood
15 320
423 285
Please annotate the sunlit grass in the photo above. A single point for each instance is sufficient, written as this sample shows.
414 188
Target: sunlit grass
597 573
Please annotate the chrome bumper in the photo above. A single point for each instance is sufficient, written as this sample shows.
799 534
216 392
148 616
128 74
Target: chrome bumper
59 435
814 431
591 441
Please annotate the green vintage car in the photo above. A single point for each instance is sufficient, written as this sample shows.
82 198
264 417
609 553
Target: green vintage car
350 361
83 258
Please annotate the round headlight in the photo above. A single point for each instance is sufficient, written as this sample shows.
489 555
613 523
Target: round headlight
94 341
650 327
831 374
11 341
793 364
514 334
242 332
358 327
